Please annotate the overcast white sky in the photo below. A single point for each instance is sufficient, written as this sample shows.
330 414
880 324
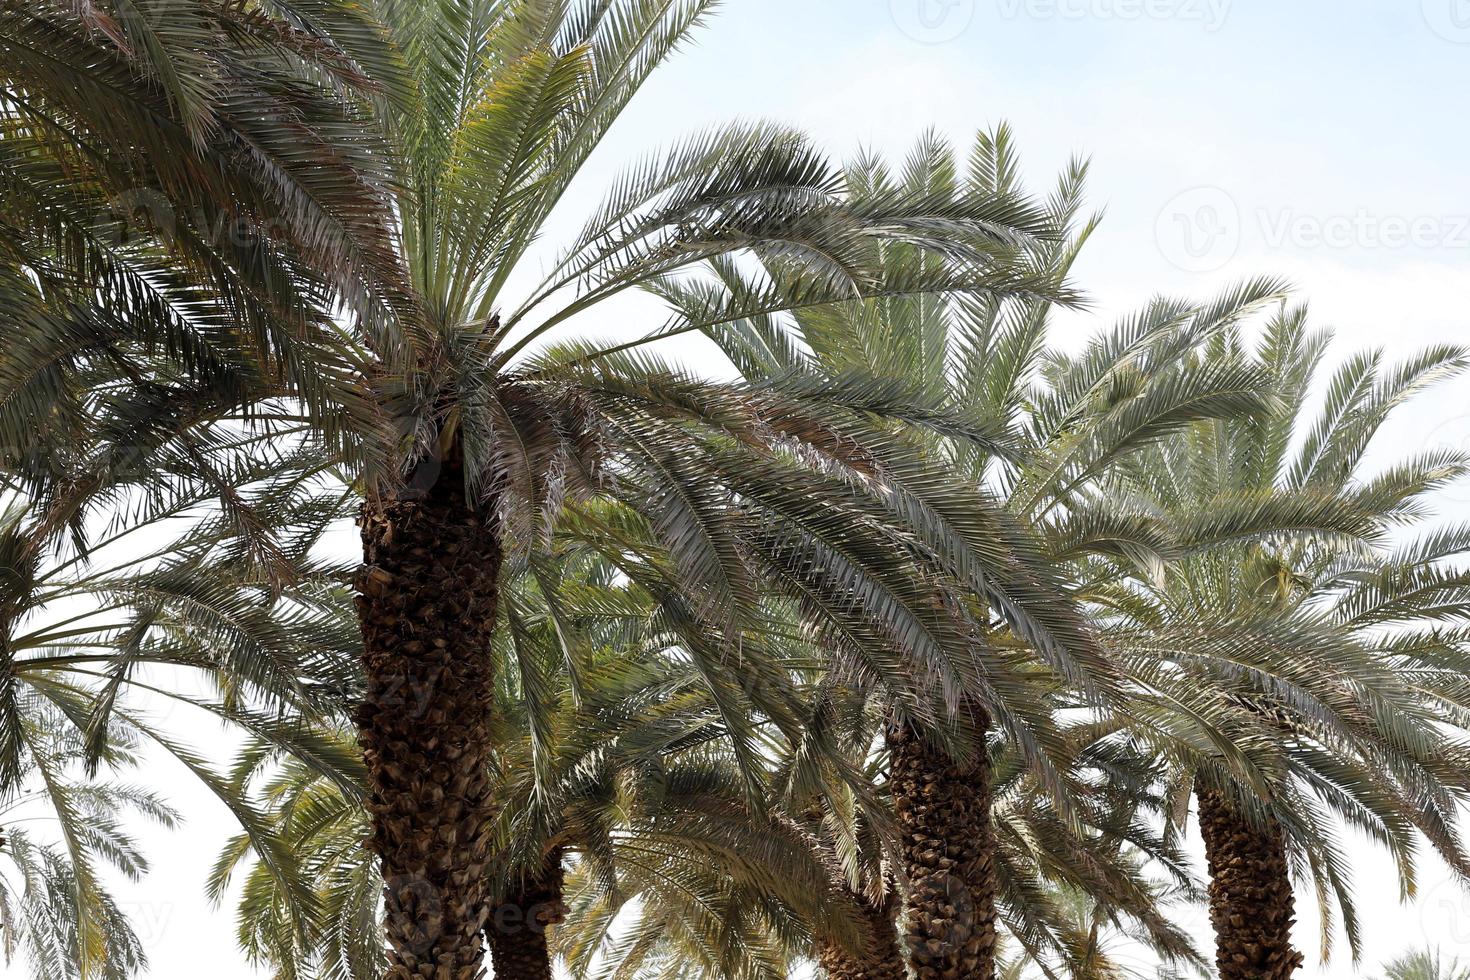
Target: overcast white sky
1317 139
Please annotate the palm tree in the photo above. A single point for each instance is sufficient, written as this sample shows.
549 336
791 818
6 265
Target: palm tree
480 441
827 788
1061 425
619 762
1426 965
99 625
463 444
1102 951
1304 670
54 907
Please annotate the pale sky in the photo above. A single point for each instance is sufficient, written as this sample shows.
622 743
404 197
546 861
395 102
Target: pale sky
1306 138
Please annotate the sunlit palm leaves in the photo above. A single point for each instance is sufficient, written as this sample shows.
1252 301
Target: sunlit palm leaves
155 569
1306 656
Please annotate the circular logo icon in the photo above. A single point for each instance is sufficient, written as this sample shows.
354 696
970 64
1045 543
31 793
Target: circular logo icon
1450 19
1199 230
138 215
1444 912
417 910
933 21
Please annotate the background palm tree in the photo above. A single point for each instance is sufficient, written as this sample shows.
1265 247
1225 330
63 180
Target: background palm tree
1307 685
1426 965
1062 424
58 830
485 110
1104 948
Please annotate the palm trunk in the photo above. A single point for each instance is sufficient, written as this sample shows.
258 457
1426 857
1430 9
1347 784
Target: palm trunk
949 855
427 597
517 930
881 957
1251 902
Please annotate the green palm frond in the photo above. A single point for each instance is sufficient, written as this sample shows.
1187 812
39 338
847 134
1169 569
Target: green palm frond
62 831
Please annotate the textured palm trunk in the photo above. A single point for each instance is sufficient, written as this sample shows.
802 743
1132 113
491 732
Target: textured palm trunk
943 813
517 929
1251 904
881 957
426 600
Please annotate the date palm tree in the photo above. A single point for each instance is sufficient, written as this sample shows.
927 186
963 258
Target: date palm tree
58 829
486 431
392 323
616 767
1310 672
1068 421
